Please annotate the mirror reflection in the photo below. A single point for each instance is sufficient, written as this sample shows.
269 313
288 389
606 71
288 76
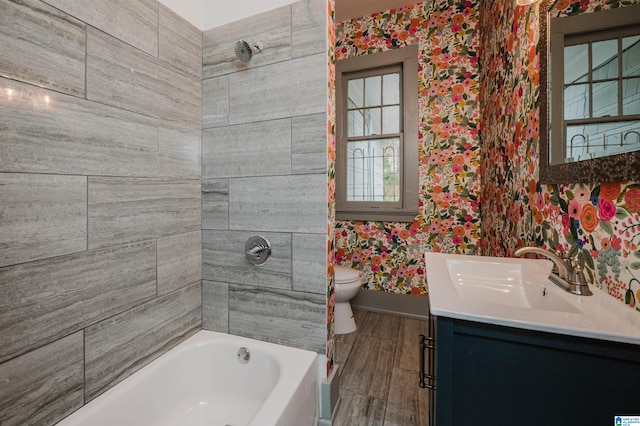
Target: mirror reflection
592 102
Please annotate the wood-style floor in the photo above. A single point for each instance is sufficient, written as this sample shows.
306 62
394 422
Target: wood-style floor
379 368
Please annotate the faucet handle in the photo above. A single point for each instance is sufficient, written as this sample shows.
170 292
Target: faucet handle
578 272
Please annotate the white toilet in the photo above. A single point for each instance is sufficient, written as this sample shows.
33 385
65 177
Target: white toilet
347 284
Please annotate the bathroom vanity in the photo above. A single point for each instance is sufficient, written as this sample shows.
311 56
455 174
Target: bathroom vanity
512 348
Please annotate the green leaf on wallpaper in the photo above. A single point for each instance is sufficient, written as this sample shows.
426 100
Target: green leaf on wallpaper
586 259
546 227
636 253
564 205
574 233
595 192
574 251
554 200
607 227
569 194
571 240
635 266
621 213
627 296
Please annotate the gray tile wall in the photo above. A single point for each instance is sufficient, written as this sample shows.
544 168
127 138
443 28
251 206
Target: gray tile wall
264 167
100 211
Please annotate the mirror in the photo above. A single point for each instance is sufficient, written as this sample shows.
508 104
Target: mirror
598 67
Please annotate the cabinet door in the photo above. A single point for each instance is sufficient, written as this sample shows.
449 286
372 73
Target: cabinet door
519 377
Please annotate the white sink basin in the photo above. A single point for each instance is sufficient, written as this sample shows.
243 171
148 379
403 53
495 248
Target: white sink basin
509 284
517 292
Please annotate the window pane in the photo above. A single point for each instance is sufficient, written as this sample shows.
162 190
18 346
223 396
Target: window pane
355 125
631 96
372 121
605 99
631 56
391 89
373 170
576 63
576 101
373 91
391 119
356 93
600 139
605 59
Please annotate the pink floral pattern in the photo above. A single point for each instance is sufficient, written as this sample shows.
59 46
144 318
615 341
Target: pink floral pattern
597 223
331 185
389 253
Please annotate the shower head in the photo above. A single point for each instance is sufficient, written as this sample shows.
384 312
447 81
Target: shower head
245 51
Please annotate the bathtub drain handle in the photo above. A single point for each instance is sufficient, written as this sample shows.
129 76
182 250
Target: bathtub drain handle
243 355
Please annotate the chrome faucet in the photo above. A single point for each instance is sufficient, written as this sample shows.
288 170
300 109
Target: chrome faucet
566 273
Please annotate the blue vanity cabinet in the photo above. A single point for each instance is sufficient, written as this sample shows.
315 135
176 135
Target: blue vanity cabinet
495 375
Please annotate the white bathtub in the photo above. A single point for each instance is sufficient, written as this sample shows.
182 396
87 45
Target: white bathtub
201 382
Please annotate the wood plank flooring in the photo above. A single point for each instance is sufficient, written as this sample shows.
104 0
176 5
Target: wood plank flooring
379 368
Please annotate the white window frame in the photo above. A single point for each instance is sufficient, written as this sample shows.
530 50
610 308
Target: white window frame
406 209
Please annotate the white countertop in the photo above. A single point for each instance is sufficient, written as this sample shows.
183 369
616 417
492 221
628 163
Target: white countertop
600 316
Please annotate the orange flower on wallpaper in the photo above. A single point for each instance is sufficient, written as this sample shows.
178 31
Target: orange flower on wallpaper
632 199
589 218
610 190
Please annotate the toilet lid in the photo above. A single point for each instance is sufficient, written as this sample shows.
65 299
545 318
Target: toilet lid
346 275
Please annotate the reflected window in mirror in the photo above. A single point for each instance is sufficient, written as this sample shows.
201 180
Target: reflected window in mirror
589 92
595 89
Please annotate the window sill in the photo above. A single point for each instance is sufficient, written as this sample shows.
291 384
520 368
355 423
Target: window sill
373 216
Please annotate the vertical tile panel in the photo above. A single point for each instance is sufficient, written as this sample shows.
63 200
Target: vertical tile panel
180 43
48 132
43 386
179 146
254 149
224 259
124 77
124 210
118 347
309 144
309 28
215 102
215 306
310 263
134 22
42 216
284 89
42 46
179 261
285 317
45 300
271 28
279 203
215 204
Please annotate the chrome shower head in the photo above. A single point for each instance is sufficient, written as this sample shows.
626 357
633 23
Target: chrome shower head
245 51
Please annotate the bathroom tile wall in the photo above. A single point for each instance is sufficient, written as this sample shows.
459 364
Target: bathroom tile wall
100 235
264 171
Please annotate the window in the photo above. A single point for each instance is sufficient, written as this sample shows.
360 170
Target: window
377 142
595 86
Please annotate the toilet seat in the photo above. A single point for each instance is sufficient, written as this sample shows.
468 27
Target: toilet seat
345 275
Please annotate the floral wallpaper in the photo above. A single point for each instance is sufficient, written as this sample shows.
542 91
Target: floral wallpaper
331 184
389 253
598 223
